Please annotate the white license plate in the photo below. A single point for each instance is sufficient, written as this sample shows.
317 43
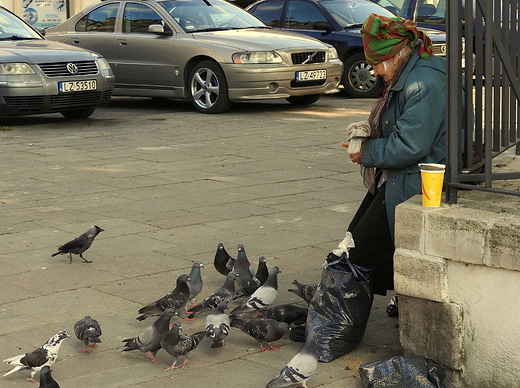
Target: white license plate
311 75
77 86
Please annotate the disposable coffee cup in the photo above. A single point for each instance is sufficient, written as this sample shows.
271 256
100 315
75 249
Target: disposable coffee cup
432 178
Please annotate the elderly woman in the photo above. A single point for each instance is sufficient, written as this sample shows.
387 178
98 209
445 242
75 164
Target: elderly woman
407 127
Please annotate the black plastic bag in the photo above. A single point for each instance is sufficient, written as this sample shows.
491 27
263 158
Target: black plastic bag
339 310
402 372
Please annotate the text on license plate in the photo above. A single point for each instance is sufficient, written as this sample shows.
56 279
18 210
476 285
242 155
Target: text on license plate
311 75
77 86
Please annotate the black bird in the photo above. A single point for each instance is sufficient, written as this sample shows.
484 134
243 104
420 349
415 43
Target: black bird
176 299
261 275
223 261
287 313
79 244
149 341
304 291
223 295
243 267
46 380
177 344
263 330
88 331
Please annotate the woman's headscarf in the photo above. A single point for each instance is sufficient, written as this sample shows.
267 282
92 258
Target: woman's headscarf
384 37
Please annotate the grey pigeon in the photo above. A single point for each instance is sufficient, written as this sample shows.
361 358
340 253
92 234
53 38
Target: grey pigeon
46 380
301 367
243 267
223 295
304 291
263 330
261 298
177 344
223 262
217 326
287 313
176 299
80 244
195 282
88 331
149 341
38 358
261 275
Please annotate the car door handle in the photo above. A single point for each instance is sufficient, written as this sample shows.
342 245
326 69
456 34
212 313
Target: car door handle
75 41
122 42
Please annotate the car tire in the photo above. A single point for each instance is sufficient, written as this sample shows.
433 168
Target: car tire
304 100
208 89
358 79
78 113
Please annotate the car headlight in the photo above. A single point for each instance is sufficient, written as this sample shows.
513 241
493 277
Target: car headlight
104 66
333 54
15 68
257 57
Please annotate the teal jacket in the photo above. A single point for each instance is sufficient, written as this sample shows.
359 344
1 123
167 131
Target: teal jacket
414 130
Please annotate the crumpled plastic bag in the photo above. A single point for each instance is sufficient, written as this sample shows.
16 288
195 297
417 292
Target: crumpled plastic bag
402 372
357 133
339 310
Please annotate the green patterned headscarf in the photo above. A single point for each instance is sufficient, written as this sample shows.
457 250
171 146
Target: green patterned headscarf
384 37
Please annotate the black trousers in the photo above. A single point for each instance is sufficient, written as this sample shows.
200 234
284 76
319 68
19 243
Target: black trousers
374 246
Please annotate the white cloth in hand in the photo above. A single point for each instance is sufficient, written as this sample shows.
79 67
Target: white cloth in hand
357 133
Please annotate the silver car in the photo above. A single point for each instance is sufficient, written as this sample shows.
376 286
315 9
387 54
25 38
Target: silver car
207 51
40 76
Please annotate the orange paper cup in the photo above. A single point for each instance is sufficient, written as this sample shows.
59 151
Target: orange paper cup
432 178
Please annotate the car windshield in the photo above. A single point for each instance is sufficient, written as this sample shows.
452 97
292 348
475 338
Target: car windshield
12 28
209 15
352 14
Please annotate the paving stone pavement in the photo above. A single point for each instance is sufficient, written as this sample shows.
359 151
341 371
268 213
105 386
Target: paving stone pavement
167 188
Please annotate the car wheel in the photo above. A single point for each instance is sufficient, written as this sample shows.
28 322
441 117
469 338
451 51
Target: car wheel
304 100
208 88
78 113
358 78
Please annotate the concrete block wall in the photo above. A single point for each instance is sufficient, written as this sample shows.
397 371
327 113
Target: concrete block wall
457 271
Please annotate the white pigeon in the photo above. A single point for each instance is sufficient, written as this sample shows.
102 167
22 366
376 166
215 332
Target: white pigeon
217 326
37 359
301 367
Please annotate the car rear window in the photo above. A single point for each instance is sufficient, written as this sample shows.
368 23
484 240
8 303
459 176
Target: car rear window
101 19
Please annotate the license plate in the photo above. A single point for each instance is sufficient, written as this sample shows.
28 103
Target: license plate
77 86
311 75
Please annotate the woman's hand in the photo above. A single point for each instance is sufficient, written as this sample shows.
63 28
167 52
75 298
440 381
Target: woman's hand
356 158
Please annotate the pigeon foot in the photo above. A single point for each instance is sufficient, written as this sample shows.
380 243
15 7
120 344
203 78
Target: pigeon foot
32 380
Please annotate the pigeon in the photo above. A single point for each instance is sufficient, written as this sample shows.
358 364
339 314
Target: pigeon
242 267
46 380
301 367
149 341
261 275
38 358
223 261
180 344
262 329
287 313
88 331
79 244
176 299
261 298
217 326
304 291
223 295
195 282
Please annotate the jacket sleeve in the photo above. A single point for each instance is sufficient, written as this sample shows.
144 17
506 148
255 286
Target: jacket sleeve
420 123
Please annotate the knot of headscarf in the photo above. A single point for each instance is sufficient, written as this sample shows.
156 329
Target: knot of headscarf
384 37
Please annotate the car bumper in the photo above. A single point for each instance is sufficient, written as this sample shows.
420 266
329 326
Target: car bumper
261 83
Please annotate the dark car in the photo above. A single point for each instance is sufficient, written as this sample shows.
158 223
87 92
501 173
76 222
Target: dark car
426 13
338 23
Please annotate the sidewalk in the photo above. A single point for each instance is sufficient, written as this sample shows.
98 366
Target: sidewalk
167 189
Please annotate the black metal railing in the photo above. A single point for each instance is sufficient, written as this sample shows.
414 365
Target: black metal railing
484 121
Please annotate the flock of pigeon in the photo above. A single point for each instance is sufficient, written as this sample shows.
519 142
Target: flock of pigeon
267 323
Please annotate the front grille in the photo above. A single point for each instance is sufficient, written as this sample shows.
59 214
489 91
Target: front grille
25 104
107 95
308 57
303 84
59 69
75 99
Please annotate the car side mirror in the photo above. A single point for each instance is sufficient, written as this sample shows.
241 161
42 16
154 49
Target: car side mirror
158 29
321 25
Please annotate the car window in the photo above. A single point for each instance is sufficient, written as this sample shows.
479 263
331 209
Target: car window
393 6
101 19
269 12
350 14
431 11
138 17
302 15
11 26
